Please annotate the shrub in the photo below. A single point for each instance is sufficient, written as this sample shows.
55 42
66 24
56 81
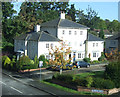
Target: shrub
42 58
102 58
79 81
89 81
25 63
36 61
3 59
87 60
102 83
95 62
112 72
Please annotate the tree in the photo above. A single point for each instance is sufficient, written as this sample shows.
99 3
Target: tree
101 34
72 12
60 55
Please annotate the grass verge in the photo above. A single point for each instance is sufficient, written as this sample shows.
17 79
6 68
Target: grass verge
71 90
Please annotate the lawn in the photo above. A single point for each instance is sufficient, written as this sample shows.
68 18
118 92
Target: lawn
94 74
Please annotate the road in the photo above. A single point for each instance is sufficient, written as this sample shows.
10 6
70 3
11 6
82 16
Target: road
13 87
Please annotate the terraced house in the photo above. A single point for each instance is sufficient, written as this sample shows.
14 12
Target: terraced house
50 33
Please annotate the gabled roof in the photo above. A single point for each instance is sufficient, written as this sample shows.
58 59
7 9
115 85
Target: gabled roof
114 37
37 36
92 37
63 23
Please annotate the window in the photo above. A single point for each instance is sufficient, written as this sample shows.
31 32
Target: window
80 44
96 44
79 55
81 32
51 45
48 57
75 33
69 44
47 45
82 55
97 54
63 31
93 44
94 54
69 32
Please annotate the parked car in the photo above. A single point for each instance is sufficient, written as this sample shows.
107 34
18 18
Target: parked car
80 64
58 67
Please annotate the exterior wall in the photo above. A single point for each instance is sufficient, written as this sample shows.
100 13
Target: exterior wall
42 47
19 45
32 49
95 49
51 30
110 44
74 40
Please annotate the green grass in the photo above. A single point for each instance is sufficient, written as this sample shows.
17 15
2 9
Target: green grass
70 90
94 74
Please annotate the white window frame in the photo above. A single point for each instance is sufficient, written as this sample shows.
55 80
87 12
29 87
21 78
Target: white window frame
81 32
79 55
96 44
75 33
47 45
63 32
94 55
93 44
69 32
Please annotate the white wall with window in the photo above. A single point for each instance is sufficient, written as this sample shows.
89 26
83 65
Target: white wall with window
94 49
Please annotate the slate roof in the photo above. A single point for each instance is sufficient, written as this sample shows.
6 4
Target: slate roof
116 36
92 37
37 36
63 23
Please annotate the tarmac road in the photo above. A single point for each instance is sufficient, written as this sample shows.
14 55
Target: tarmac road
13 87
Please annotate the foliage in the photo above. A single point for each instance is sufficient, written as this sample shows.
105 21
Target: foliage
101 34
102 58
87 60
103 83
7 61
45 61
25 63
89 80
95 62
113 55
60 54
112 72
36 61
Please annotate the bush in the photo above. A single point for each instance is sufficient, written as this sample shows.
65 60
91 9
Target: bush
79 81
25 63
95 62
89 81
112 72
3 59
102 58
86 60
67 78
42 58
102 83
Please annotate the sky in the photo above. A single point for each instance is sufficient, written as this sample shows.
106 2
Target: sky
106 10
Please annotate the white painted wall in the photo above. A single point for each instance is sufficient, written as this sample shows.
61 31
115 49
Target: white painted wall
42 47
74 40
109 44
95 49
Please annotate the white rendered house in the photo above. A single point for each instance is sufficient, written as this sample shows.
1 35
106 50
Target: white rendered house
73 34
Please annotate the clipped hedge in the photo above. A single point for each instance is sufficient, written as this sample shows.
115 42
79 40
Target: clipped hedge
87 60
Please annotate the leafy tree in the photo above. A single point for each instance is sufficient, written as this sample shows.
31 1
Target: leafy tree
101 34
60 54
72 12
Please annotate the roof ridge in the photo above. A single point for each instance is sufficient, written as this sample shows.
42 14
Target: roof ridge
40 35
77 23
59 22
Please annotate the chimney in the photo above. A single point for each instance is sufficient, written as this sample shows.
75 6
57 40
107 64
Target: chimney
37 28
62 15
